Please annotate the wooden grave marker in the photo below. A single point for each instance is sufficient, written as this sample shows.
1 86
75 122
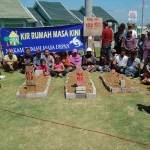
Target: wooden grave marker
30 77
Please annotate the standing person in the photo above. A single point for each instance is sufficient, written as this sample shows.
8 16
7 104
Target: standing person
134 32
10 61
107 38
129 43
75 59
89 61
37 58
141 46
146 47
118 37
49 59
132 27
27 59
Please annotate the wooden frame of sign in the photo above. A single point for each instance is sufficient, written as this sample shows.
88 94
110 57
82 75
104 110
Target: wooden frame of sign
93 26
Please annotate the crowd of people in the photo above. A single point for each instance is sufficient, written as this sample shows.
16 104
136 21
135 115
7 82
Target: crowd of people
54 64
130 56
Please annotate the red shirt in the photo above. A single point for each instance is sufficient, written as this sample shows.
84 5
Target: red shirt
107 36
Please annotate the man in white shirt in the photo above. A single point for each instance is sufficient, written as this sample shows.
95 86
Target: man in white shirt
132 27
134 32
120 62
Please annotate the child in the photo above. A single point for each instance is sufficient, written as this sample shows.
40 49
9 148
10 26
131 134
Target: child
58 67
67 64
44 67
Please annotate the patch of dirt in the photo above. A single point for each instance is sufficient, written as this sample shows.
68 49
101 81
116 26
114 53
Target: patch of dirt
72 82
40 86
113 79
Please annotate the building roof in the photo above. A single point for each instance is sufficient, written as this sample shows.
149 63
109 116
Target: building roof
12 9
56 11
100 12
78 14
38 17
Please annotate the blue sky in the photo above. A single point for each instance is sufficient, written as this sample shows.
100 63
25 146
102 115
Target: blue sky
117 8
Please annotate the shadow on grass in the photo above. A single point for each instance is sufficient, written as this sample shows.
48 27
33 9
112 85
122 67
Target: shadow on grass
143 107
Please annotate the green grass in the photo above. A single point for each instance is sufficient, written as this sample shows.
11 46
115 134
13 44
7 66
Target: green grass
115 114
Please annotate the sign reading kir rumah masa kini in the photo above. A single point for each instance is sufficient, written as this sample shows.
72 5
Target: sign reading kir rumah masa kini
60 38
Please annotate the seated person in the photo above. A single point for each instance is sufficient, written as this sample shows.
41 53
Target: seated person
113 57
37 58
27 59
104 64
10 61
1 57
59 69
120 62
75 59
89 61
133 65
67 64
49 59
146 75
43 66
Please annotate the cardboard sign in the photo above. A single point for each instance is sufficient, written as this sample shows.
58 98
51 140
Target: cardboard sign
30 77
93 26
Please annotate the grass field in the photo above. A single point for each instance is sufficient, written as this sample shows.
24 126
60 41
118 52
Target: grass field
114 114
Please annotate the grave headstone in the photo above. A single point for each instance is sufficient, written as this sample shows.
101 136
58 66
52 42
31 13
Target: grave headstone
80 80
78 84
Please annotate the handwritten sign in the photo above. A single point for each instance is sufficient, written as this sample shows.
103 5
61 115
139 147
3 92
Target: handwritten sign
93 26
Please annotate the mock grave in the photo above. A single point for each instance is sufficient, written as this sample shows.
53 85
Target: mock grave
118 83
79 85
36 85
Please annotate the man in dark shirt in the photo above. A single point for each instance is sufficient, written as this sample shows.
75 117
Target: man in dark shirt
27 59
89 61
